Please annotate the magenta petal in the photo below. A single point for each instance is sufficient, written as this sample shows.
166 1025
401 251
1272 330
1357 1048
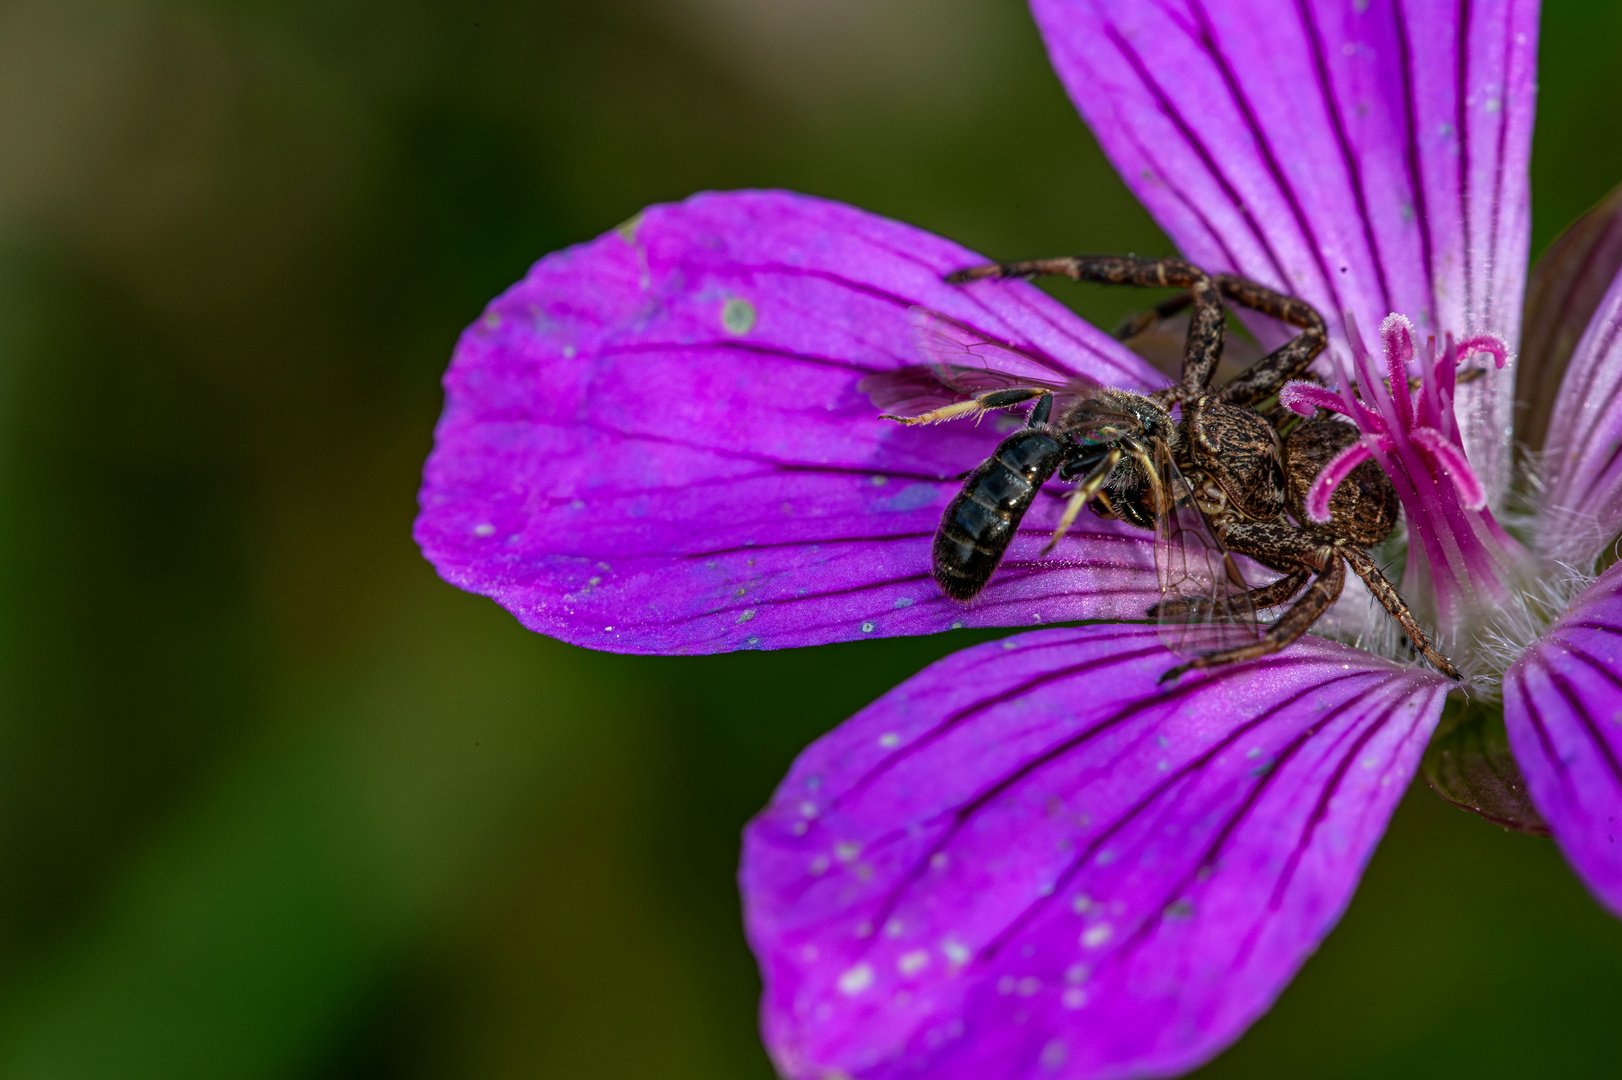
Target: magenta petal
655 442
1563 710
1369 157
1562 293
1582 458
1031 856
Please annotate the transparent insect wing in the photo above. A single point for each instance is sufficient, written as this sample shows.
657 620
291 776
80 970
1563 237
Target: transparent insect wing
1098 420
1204 602
960 363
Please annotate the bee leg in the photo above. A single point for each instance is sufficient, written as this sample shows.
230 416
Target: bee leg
1084 494
1124 509
1323 593
1268 375
1386 593
995 399
1270 595
1206 325
1041 411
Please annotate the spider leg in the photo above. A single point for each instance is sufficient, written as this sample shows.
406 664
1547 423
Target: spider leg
1134 325
1297 620
1084 494
1366 568
1205 326
1264 378
992 399
1270 595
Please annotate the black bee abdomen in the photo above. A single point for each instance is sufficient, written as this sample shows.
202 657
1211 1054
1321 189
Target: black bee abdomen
980 520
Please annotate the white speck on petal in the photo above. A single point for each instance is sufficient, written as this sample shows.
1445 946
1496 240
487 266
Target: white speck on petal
746 616
905 601
1028 986
847 851
1074 998
857 979
1082 904
893 928
912 963
889 740
808 809
819 865
1077 973
868 628
1094 936
1054 1054
937 861
955 952
484 528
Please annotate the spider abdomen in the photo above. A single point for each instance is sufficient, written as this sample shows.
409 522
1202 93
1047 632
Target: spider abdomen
1363 508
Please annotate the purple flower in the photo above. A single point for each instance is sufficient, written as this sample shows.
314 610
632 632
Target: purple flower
1031 859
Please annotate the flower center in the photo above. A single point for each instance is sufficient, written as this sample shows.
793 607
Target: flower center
1463 568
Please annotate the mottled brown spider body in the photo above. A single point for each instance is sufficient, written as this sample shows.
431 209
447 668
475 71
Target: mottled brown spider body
1363 508
1237 456
1245 471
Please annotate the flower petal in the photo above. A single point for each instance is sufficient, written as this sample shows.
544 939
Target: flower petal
1368 157
1563 709
1031 854
655 442
1562 294
1581 510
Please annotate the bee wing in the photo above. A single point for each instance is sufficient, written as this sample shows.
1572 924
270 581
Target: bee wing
1204 606
961 363
1101 418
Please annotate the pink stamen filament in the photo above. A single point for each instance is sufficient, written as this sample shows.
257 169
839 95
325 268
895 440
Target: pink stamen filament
1397 334
1338 469
1307 398
1454 465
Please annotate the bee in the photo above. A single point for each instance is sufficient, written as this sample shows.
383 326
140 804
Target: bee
1218 478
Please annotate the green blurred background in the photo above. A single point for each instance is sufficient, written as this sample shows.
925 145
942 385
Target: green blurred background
276 802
